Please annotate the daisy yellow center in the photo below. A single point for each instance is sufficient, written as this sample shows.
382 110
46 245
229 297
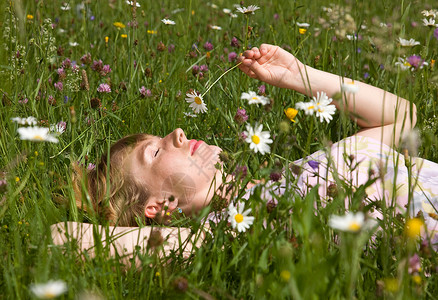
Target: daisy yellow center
255 139
311 107
407 64
254 98
49 295
38 137
354 226
198 100
320 110
238 218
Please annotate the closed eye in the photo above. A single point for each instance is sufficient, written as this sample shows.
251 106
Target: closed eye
156 153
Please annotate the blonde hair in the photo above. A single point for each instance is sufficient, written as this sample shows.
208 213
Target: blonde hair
107 192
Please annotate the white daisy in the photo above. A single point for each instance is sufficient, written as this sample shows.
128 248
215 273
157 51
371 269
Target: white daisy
37 134
58 128
303 25
226 11
168 22
189 114
65 6
239 218
408 43
430 22
258 140
323 109
73 44
350 87
351 222
25 121
308 107
49 290
248 10
351 37
253 98
132 3
403 63
430 13
196 102
214 27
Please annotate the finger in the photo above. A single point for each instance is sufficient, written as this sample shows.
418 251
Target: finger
264 48
256 52
248 53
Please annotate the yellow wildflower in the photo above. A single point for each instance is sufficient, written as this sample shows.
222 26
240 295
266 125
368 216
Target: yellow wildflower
106 39
391 285
302 30
432 63
416 278
152 32
124 36
119 25
29 17
285 275
413 227
291 113
17 179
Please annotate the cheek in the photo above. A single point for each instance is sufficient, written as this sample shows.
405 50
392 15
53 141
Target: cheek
180 185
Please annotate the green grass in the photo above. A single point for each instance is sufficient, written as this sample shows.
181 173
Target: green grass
291 238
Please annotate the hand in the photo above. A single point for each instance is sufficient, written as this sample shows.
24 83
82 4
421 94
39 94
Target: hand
273 65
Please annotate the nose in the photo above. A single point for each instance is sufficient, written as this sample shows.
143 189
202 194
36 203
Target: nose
178 137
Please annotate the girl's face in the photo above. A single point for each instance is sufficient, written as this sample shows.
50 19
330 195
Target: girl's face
178 167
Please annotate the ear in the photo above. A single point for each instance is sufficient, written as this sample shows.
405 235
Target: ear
153 207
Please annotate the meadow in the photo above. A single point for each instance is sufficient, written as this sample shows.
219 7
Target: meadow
96 71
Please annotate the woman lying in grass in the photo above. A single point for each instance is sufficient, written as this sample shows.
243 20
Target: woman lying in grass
154 178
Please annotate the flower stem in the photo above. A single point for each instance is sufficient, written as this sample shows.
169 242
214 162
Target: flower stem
219 79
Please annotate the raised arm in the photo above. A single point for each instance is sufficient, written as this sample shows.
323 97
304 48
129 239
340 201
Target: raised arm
381 115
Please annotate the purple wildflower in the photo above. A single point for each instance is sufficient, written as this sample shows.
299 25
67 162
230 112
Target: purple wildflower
243 136
142 91
240 171
91 167
97 65
415 61
275 176
195 69
104 88
241 116
24 101
58 85
86 59
66 63
66 98
313 164
203 68
414 264
366 75
271 204
232 56
105 70
262 89
208 46
61 72
276 16
92 18
435 33
235 42
171 48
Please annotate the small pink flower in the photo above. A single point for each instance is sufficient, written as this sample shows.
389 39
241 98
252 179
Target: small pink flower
105 70
104 88
232 56
58 85
208 46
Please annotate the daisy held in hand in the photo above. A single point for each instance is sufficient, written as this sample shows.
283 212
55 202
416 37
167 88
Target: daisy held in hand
196 102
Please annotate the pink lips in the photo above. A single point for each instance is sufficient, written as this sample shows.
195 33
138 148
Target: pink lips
194 144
